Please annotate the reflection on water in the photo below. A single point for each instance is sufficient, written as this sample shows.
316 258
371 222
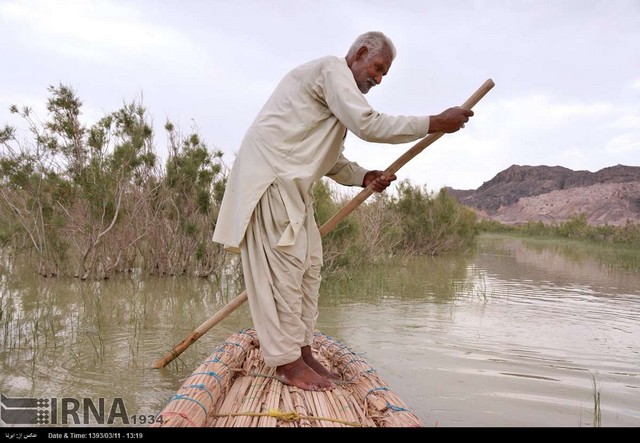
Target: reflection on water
515 334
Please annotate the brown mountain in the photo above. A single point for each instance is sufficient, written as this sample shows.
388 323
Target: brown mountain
553 194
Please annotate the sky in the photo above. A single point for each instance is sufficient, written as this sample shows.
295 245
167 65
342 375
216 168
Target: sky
566 72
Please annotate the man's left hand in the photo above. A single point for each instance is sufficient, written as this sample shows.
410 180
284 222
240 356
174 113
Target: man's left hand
378 181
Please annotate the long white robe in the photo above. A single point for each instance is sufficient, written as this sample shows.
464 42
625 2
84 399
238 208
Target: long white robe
266 211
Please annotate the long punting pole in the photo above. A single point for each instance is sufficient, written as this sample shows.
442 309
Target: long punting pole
324 229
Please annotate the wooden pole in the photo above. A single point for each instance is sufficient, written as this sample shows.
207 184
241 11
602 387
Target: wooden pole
324 229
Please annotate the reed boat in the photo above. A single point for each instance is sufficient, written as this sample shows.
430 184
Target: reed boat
234 388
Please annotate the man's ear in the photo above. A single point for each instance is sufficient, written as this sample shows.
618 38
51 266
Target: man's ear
362 53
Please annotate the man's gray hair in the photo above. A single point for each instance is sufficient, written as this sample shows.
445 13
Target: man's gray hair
375 42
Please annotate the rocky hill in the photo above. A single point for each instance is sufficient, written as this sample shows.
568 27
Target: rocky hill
553 194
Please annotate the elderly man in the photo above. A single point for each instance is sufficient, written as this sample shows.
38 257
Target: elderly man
267 213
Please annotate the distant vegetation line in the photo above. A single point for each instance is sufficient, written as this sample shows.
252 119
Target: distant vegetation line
576 228
616 247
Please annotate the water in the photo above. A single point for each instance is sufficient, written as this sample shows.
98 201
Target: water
517 334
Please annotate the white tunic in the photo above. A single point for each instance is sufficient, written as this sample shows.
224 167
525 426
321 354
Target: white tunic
297 138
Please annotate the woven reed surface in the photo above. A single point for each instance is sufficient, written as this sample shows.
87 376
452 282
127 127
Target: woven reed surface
234 388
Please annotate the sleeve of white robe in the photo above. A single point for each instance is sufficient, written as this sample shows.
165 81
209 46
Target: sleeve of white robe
346 172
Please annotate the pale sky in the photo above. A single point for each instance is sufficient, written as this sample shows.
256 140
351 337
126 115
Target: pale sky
567 72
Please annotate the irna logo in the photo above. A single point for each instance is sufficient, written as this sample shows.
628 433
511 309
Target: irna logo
63 411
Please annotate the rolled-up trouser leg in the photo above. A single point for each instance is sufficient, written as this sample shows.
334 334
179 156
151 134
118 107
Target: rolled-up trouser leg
274 280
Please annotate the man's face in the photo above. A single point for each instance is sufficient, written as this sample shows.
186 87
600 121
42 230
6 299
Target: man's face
368 70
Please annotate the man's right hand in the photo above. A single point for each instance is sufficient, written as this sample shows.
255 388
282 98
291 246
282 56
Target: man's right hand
450 120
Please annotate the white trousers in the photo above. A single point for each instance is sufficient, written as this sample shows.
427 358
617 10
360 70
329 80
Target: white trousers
282 282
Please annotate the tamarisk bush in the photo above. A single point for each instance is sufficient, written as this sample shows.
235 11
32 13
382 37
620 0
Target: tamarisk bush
90 201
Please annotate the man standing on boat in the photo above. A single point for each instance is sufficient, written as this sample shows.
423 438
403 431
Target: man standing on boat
267 209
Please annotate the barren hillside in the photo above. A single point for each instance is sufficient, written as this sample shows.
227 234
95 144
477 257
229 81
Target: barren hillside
553 194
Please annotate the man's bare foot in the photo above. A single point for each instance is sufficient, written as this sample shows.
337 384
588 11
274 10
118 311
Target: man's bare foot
299 374
310 360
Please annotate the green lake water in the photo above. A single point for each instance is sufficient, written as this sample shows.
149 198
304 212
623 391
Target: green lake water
517 333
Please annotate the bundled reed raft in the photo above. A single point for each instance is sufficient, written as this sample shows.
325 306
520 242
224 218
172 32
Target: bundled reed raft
234 388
